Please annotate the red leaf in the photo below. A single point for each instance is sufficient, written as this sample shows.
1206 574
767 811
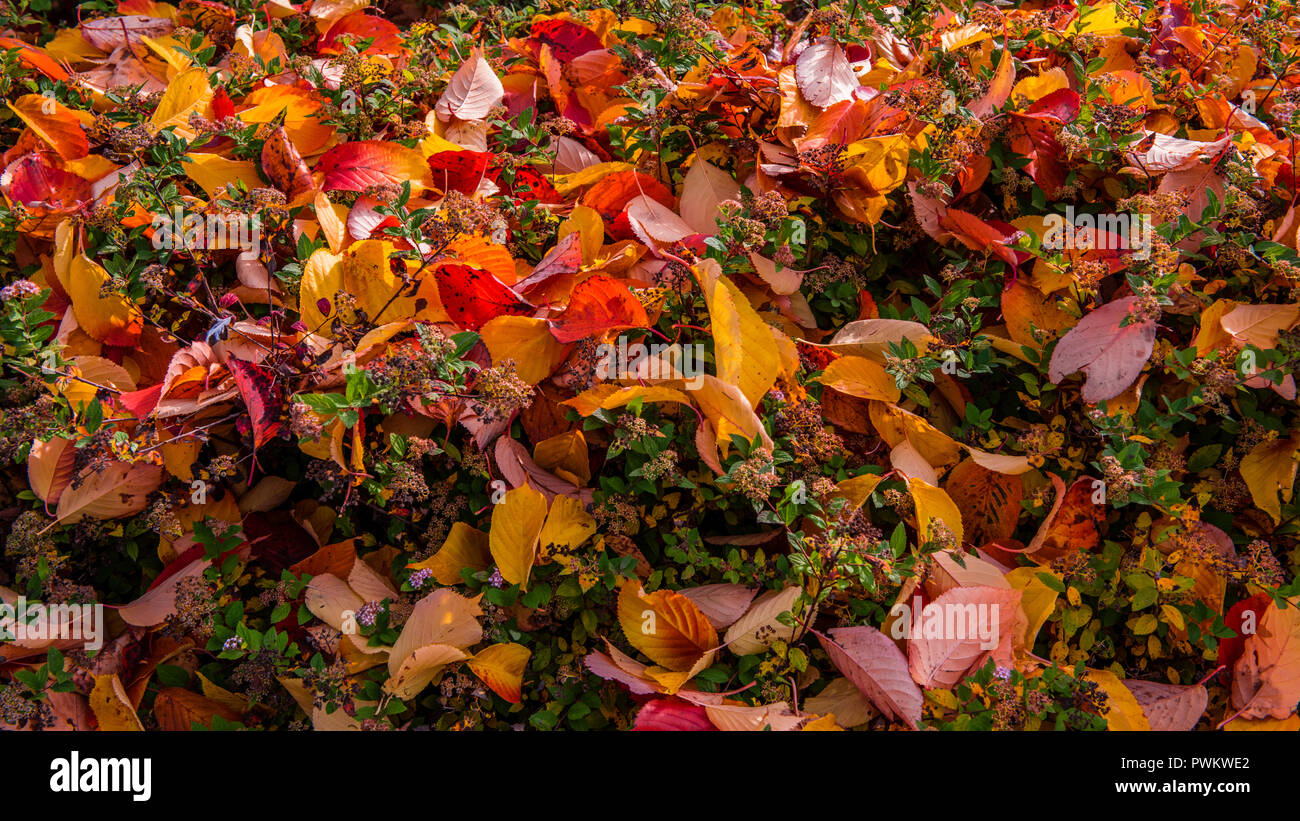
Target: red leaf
670 714
1231 649
222 105
611 194
34 182
564 258
261 395
472 296
566 38
458 170
528 184
36 58
875 665
990 237
361 26
142 402
357 166
1062 104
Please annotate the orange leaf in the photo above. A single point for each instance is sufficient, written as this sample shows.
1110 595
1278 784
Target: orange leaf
989 502
54 123
666 626
1266 679
598 304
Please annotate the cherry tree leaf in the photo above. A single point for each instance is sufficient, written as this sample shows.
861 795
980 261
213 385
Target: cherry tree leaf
824 74
1110 355
875 665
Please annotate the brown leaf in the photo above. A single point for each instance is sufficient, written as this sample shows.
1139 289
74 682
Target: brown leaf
1169 706
178 710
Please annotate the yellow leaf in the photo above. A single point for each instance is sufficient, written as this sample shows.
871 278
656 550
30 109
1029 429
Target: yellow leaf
1269 469
1038 86
1289 724
112 318
333 221
746 353
528 342
860 377
231 701
1211 334
565 183
368 276
465 547
165 48
322 279
1037 599
896 426
301 107
501 667
516 524
856 490
666 626
565 451
568 525
608 397
212 172
758 628
933 504
188 92
1125 713
1033 318
729 410
94 370
881 162
586 222
1103 20
111 706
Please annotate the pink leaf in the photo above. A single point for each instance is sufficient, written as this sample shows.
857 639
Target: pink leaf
824 74
703 189
473 91
1110 356
875 665
943 661
721 604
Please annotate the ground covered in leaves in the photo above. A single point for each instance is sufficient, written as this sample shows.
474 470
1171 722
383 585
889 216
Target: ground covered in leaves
389 367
